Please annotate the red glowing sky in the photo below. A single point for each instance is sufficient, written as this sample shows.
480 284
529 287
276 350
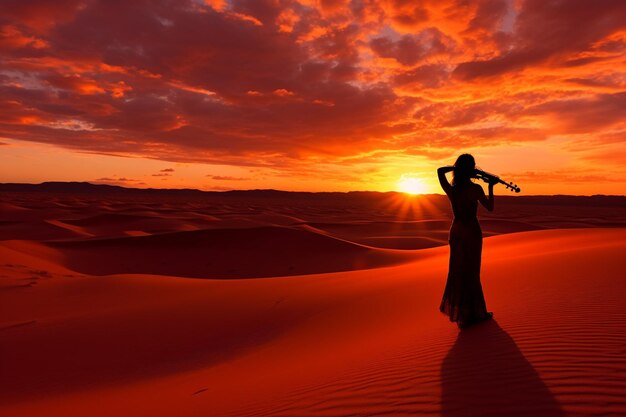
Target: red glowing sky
313 94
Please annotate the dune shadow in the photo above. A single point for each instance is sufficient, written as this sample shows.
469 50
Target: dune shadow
485 374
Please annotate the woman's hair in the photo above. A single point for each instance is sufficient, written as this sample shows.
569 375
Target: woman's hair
463 169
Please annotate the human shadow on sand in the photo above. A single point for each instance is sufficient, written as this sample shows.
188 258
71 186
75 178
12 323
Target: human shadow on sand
485 374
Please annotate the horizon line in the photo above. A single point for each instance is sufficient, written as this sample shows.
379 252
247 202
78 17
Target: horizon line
96 184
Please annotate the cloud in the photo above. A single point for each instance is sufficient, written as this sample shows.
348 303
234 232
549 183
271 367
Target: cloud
602 81
429 76
120 179
583 115
166 172
284 84
411 49
40 15
553 30
227 178
561 176
114 180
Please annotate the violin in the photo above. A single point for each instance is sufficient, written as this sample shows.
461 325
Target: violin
494 179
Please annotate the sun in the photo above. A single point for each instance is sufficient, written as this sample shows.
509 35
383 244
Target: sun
411 185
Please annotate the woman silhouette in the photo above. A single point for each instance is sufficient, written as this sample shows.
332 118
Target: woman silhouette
463 300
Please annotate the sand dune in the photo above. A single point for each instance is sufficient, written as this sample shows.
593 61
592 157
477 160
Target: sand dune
418 234
222 253
38 230
366 342
100 316
381 220
116 224
12 209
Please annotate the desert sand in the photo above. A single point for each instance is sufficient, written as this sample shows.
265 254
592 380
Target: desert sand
304 305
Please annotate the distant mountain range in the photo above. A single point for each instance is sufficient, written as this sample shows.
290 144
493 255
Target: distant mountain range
89 188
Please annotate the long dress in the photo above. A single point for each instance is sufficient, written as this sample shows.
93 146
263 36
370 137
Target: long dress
463 300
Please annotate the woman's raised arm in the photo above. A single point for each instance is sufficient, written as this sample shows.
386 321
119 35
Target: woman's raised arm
488 203
441 173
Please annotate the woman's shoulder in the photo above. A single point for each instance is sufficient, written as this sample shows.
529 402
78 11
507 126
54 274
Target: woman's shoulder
477 188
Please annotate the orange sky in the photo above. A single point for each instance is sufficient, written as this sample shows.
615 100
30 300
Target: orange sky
313 94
